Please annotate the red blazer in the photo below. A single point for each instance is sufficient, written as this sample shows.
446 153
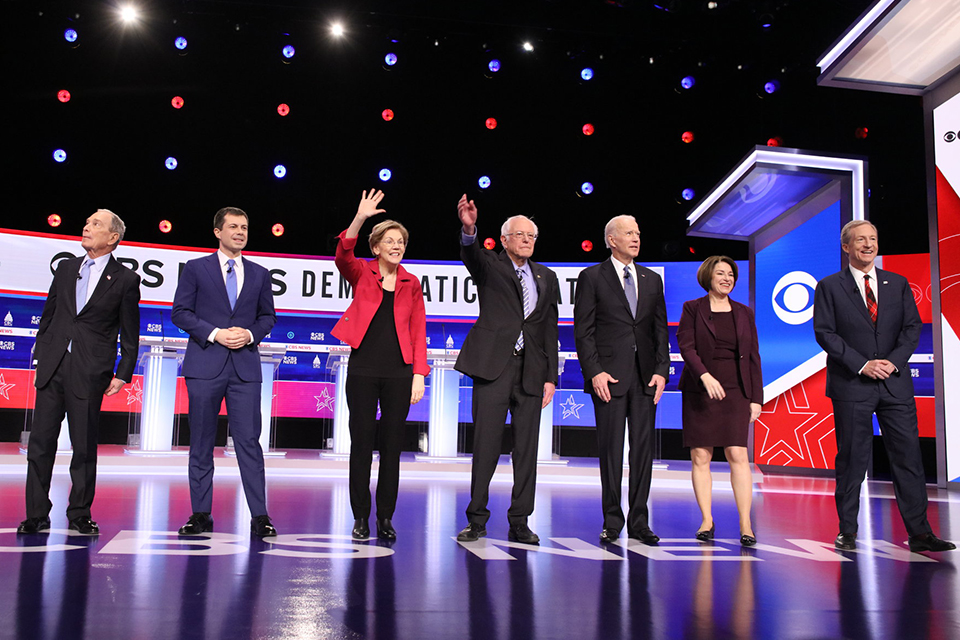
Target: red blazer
697 338
408 310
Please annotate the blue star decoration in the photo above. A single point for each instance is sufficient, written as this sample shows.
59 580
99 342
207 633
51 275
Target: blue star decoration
571 408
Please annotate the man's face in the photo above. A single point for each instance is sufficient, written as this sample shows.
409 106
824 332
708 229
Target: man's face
97 237
625 241
519 240
863 247
233 236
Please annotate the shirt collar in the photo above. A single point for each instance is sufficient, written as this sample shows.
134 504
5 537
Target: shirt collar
222 257
858 275
99 262
620 265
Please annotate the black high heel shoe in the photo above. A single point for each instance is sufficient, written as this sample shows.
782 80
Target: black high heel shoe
385 530
361 530
748 541
707 536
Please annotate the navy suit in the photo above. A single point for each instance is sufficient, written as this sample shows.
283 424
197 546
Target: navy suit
214 372
845 331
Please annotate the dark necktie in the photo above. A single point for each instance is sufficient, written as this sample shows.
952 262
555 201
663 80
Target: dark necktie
871 299
630 290
232 283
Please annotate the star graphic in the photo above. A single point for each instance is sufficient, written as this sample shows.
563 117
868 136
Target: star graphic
134 393
324 401
794 429
5 387
570 408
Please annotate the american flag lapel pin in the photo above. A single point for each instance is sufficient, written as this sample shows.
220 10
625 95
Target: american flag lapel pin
108 277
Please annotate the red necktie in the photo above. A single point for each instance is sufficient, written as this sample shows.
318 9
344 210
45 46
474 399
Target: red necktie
871 299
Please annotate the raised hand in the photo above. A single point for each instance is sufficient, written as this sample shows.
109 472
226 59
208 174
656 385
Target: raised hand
368 206
467 211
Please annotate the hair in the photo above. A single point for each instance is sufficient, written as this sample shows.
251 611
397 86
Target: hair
380 229
505 227
846 234
228 211
116 224
612 225
705 272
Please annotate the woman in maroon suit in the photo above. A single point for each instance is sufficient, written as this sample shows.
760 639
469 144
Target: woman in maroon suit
722 388
386 327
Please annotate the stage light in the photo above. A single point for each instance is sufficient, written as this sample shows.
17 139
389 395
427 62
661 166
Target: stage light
165 226
288 51
586 188
490 244
129 13
385 174
279 171
63 95
527 46
283 108
387 114
712 5
688 194
54 220
491 123
586 245
483 182
390 59
775 141
336 29
587 129
277 229
494 65
586 73
687 137
772 86
688 82
766 20
171 163
60 155
180 43
177 102
861 133
70 35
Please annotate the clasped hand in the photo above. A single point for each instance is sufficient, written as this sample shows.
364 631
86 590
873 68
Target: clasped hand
879 369
233 338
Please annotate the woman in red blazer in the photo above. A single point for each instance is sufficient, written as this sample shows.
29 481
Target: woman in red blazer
386 327
722 388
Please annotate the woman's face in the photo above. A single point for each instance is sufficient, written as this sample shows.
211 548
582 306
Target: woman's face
723 281
391 247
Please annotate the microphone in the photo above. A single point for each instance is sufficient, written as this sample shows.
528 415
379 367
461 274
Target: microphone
79 277
229 269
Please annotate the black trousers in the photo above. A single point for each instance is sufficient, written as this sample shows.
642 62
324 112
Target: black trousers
491 401
898 425
83 417
636 407
363 394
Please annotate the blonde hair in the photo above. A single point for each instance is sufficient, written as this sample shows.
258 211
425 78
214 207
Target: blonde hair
380 230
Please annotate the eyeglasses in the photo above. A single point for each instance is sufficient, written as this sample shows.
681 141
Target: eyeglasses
391 242
520 235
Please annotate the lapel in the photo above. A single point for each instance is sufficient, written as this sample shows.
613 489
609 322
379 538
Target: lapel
212 265
703 308
740 319
537 272
609 275
107 278
883 295
853 291
73 268
512 272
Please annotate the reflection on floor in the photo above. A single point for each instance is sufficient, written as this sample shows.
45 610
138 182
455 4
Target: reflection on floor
138 580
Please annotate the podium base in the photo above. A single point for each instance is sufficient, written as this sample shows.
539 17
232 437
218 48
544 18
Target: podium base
170 453
231 452
330 455
555 460
426 457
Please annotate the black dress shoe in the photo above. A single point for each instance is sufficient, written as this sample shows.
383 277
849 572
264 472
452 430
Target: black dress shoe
85 525
929 542
522 533
748 541
361 529
385 530
34 525
707 534
261 526
646 536
846 541
472 532
609 535
196 524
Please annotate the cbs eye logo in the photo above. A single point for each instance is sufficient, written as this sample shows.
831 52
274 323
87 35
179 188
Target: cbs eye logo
950 136
792 297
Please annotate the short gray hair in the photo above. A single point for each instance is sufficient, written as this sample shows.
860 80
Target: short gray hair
612 226
846 234
505 227
116 224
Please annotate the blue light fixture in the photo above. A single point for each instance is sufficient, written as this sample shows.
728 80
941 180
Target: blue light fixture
494 65
171 163
279 171
586 188
772 86
483 182
688 194
180 43
390 59
60 155
70 35
688 82
587 73
385 174
289 51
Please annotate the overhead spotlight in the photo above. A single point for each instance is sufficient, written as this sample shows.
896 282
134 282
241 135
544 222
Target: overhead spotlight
70 35
861 133
527 46
688 194
483 182
129 13
390 59
772 86
586 188
494 65
587 129
712 5
277 229
165 226
687 137
688 82
385 175
63 95
177 102
54 220
283 108
279 171
586 73
387 114
491 123
60 155
180 43
288 51
336 29
775 141
170 163
766 20
490 244
587 246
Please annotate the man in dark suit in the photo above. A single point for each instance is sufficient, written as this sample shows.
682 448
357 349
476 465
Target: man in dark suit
867 321
620 328
511 354
225 303
91 300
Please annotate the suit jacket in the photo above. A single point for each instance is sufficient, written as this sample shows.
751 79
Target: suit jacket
113 307
698 339
844 330
408 310
609 338
489 344
201 304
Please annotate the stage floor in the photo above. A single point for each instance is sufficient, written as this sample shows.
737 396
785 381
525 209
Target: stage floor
138 580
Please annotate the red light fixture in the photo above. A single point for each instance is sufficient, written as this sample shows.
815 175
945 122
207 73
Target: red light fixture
587 129
54 220
277 229
861 133
491 123
165 226
63 95
775 141
687 137
177 102
586 245
387 114
283 108
490 243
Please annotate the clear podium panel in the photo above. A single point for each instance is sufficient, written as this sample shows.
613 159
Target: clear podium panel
159 364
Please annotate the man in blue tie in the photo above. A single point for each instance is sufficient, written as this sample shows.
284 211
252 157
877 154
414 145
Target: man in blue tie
91 300
225 302
620 329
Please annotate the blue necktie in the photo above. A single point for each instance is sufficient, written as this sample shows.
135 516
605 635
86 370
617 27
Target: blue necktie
232 283
82 284
630 290
526 305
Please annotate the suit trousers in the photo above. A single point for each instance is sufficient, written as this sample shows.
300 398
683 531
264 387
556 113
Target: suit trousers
491 401
636 407
901 439
243 413
363 394
54 401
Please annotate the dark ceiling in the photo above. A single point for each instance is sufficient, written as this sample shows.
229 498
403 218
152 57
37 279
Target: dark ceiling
119 125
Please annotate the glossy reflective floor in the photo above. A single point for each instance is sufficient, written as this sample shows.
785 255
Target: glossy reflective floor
138 580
